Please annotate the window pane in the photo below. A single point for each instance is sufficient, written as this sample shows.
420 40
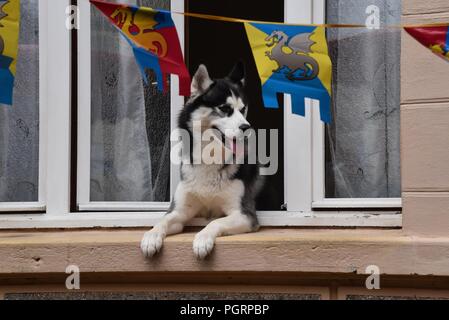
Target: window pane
130 152
362 143
19 124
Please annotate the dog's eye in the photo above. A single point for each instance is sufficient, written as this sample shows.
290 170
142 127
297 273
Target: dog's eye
243 110
226 109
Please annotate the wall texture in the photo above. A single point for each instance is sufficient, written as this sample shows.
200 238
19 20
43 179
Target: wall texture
424 126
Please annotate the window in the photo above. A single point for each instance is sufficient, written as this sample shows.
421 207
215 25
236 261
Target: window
21 166
114 170
362 151
125 129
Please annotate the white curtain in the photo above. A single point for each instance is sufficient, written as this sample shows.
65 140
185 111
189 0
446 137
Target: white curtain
19 124
363 156
130 121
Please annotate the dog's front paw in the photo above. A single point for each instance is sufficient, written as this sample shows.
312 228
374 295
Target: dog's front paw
151 243
203 245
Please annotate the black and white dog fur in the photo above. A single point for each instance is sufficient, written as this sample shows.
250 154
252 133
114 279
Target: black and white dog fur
226 192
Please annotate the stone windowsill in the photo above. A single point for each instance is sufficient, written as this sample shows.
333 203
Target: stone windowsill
277 250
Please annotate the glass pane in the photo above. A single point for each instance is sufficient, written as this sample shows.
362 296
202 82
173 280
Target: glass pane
130 151
362 143
19 124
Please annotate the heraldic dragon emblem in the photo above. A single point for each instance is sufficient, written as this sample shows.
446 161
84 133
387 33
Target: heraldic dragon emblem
292 56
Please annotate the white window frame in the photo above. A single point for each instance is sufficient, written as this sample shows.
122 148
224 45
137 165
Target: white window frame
56 116
54 120
308 151
319 201
38 205
84 120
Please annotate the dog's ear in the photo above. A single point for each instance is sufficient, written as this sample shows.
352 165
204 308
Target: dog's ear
201 81
237 75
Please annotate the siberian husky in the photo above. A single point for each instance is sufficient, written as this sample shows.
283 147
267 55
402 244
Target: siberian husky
225 191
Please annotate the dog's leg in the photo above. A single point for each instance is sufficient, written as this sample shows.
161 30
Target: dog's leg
183 209
235 223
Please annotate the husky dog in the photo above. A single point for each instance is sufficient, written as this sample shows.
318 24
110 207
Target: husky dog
225 191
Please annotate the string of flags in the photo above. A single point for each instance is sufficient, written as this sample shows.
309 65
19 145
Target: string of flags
292 59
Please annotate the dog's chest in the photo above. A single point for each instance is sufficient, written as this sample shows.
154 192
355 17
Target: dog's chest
208 180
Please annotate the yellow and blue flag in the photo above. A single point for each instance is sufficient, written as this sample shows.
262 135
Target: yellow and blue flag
9 42
293 60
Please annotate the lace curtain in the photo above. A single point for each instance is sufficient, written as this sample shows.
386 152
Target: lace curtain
130 150
363 156
19 124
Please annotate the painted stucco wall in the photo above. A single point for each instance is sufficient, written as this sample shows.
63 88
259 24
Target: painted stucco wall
424 126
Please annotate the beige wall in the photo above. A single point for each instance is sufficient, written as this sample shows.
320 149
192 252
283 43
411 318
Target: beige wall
330 263
424 126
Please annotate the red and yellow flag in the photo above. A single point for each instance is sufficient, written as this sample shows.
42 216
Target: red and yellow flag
153 37
434 38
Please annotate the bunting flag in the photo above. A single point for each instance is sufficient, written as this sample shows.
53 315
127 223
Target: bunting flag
434 38
9 43
153 37
294 60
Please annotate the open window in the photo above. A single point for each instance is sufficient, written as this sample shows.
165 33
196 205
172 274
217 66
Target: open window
126 132
115 169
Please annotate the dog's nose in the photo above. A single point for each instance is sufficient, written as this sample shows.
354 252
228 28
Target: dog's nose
244 127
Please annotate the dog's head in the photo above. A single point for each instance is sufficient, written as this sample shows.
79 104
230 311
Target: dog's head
220 104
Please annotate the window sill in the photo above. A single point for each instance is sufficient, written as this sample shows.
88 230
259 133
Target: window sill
387 219
274 250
